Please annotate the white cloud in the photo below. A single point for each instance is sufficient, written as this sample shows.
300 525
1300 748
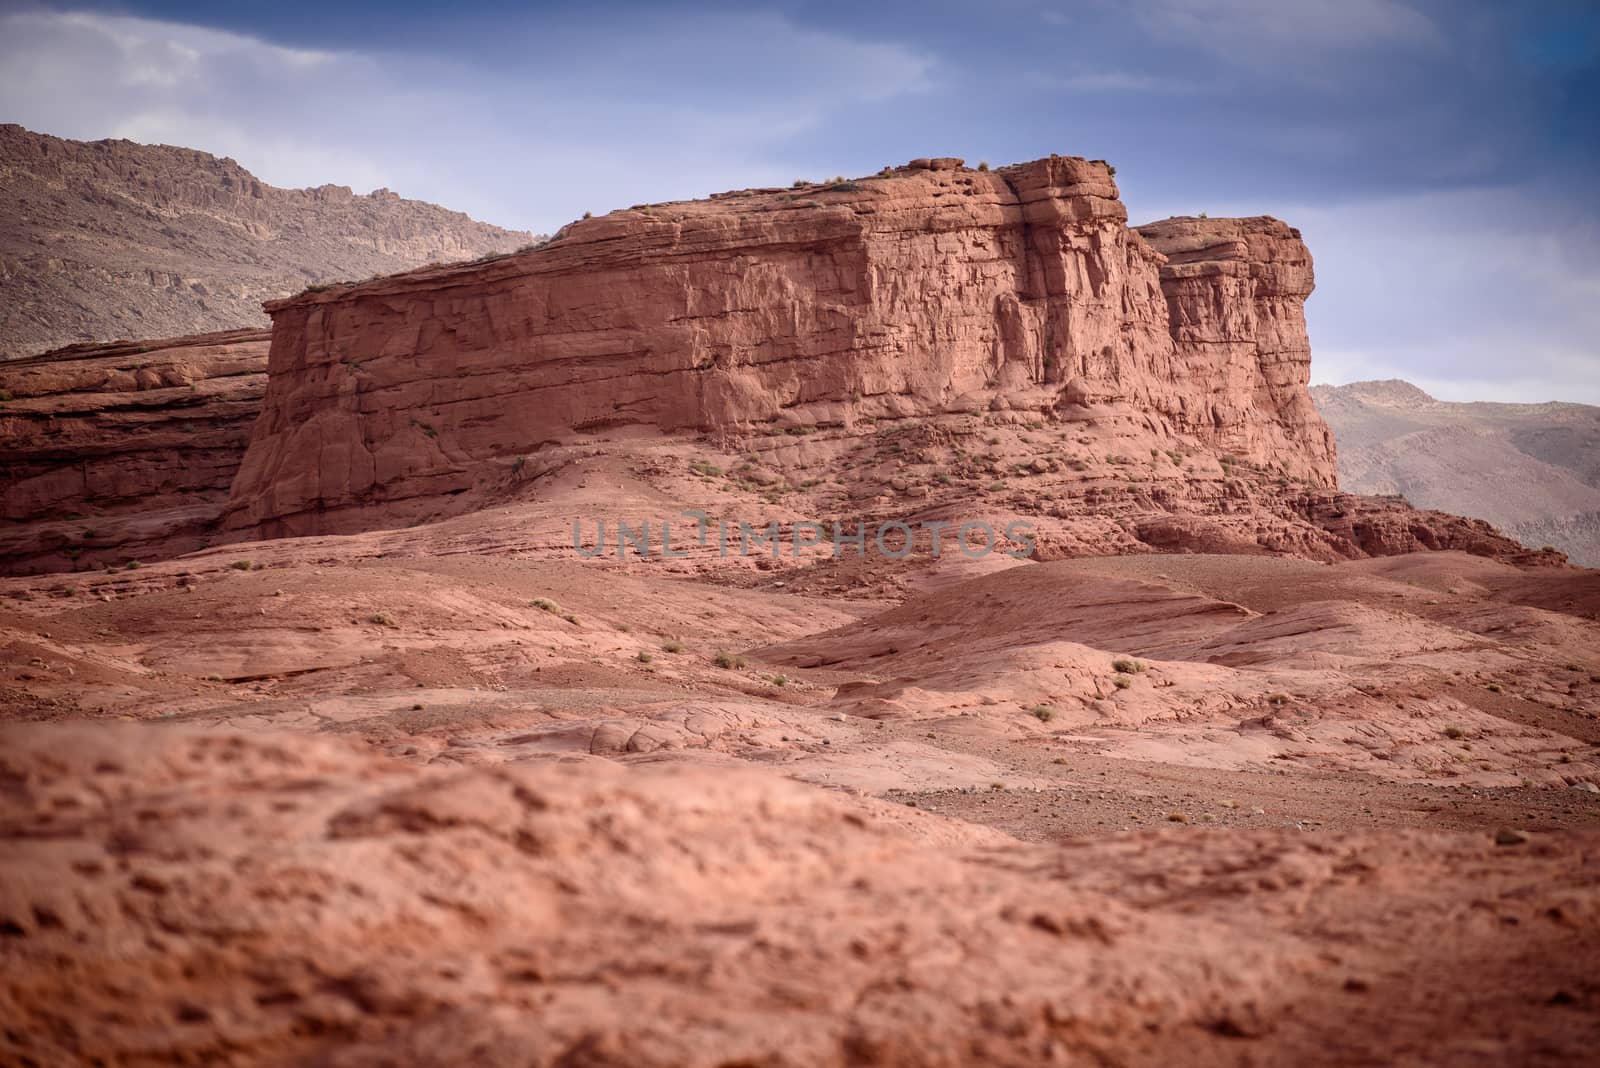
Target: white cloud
1473 294
520 143
1233 27
1110 81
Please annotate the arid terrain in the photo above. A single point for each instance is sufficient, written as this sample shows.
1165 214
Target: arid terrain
342 728
110 240
1533 470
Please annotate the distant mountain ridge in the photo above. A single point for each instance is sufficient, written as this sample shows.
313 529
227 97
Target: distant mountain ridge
1533 470
111 239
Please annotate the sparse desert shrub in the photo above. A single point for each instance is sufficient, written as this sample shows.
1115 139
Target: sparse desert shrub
1124 666
1278 700
983 165
1454 732
644 657
1042 713
134 565
569 617
544 604
728 660
588 215
5 394
705 468
382 619
800 183
1493 687
1111 170
1122 682
780 680
672 645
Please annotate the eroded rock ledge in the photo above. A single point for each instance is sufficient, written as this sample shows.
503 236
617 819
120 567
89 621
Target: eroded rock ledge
114 451
926 289
1131 390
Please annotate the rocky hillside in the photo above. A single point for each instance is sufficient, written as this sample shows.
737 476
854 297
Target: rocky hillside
1533 470
109 239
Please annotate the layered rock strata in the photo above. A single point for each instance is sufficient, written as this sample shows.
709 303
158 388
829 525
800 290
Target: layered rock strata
113 451
1236 292
931 288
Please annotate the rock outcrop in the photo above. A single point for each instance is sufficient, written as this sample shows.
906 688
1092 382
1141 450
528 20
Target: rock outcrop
1127 391
110 239
1236 292
111 452
928 289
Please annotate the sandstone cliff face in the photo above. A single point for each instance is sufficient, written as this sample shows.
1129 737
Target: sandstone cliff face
933 341
928 289
108 452
1236 292
111 239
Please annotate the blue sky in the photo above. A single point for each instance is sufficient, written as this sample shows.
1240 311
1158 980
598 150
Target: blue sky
1439 155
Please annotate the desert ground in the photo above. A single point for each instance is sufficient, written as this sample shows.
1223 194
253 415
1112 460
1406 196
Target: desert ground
455 792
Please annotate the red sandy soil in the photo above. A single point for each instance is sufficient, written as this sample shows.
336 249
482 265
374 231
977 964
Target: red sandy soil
376 799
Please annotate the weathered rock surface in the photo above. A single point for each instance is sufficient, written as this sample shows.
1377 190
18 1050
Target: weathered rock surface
111 452
1236 292
1533 470
924 290
184 896
934 341
110 239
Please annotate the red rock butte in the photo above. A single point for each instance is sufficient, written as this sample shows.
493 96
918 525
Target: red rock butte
973 308
930 288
